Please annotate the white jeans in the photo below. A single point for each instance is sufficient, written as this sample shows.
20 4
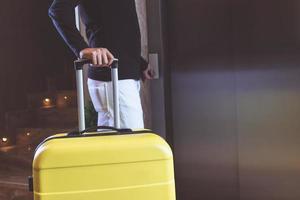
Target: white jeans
131 113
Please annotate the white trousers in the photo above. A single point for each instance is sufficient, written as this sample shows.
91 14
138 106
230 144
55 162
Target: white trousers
131 113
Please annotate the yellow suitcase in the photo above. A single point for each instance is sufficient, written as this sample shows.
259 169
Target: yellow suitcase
114 165
97 166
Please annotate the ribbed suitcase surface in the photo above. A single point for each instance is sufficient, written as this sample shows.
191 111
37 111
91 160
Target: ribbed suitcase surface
111 167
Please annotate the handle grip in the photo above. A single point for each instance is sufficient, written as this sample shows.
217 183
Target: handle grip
78 64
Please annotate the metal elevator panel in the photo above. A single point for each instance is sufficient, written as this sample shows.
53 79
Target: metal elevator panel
235 90
267 62
203 99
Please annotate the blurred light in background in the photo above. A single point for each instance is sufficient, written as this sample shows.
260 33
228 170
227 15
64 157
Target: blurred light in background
4 139
47 102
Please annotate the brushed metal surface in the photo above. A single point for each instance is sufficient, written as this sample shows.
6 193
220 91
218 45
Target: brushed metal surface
268 98
235 90
203 99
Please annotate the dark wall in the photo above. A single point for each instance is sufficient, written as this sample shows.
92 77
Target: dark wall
31 52
235 90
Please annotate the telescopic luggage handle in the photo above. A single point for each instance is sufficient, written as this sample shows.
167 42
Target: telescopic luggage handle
78 65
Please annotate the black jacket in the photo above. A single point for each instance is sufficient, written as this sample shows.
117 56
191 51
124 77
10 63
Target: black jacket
111 24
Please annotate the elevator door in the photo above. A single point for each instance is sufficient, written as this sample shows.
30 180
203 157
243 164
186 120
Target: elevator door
203 99
235 90
267 65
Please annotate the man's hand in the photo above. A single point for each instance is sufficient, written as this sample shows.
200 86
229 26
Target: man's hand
148 73
99 56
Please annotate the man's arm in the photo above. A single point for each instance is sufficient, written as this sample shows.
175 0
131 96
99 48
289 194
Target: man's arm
62 13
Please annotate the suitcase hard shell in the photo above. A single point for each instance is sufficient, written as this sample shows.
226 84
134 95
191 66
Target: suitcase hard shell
117 165
113 167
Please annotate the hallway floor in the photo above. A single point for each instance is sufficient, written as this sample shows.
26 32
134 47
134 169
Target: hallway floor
15 167
16 161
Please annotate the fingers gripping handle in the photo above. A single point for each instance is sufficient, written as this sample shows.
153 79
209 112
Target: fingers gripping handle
78 65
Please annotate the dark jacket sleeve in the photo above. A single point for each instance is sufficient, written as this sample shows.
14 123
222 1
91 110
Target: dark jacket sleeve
62 13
